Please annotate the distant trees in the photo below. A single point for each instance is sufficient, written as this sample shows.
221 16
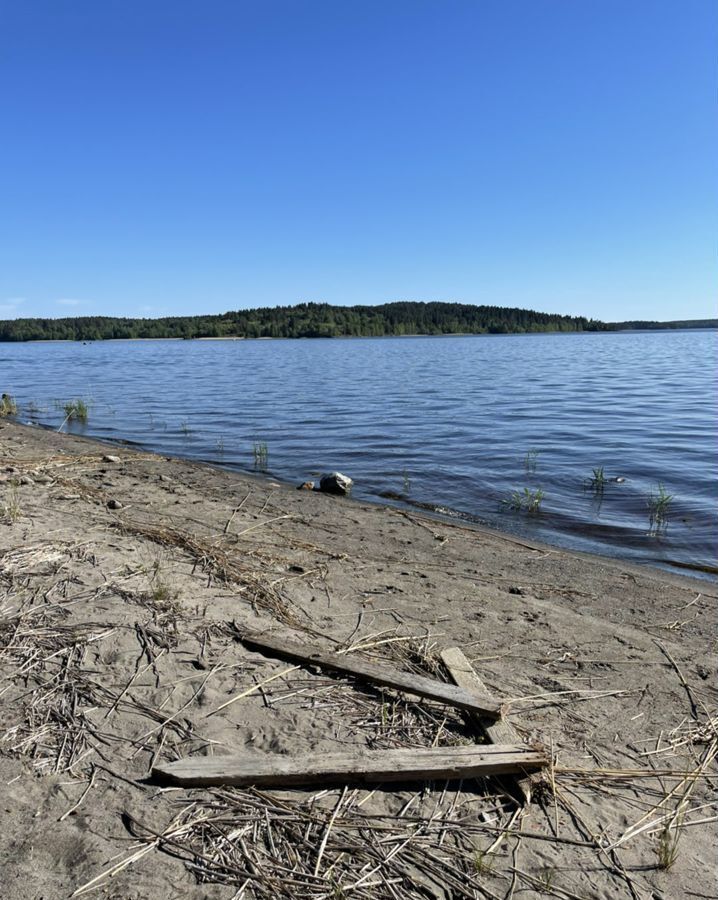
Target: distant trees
317 320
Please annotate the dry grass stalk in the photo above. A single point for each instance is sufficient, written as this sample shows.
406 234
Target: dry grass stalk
219 563
682 790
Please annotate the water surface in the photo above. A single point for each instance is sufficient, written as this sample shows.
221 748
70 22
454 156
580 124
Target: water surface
458 423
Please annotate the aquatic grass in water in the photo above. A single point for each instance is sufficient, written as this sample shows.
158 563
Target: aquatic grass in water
8 406
75 411
406 479
597 481
658 506
33 408
527 500
531 460
260 451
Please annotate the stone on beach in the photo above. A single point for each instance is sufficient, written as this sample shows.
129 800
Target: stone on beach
335 483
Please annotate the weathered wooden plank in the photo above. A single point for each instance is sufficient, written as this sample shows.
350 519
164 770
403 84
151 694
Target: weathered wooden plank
313 655
353 766
496 731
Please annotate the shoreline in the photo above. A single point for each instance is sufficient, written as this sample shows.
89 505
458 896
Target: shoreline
693 572
341 337
126 576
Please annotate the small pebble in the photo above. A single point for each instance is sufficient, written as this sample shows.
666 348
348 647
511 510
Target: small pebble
306 486
114 504
110 458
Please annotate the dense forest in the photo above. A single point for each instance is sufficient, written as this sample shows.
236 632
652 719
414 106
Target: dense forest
311 320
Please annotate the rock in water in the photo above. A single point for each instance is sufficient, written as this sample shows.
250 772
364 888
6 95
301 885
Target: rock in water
336 483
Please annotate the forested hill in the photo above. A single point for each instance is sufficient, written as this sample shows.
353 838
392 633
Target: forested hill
320 320
304 320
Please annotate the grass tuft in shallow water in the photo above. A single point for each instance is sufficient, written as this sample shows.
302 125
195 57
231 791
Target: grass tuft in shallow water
260 451
597 480
526 500
76 411
659 503
8 406
531 460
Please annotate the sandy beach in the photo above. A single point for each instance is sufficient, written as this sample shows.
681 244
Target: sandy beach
127 580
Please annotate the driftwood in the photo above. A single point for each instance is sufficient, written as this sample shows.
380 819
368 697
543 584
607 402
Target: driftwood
498 732
368 766
313 655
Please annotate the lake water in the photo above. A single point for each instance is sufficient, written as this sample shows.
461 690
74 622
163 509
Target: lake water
458 423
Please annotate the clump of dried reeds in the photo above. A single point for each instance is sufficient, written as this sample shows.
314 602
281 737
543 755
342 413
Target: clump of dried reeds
46 656
220 563
325 845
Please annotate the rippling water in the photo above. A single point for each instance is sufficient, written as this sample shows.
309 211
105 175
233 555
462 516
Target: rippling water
457 423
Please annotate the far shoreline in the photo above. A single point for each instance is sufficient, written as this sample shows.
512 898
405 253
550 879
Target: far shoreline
357 337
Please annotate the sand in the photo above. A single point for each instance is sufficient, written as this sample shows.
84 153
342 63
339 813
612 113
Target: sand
118 641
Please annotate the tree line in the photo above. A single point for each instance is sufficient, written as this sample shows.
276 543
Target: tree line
312 320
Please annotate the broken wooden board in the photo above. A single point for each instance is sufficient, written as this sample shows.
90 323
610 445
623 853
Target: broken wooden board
313 655
496 731
353 766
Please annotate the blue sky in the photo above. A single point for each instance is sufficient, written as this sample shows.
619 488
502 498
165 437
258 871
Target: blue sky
194 157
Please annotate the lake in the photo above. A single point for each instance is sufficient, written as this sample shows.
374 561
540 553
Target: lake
474 427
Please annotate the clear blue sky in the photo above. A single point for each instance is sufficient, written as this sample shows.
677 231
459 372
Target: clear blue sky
193 157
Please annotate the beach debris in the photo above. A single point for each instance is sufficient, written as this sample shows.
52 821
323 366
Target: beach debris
111 458
25 479
335 483
497 732
282 646
306 486
114 504
415 764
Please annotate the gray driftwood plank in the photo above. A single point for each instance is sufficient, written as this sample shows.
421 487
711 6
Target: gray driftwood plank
369 766
496 731
312 655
